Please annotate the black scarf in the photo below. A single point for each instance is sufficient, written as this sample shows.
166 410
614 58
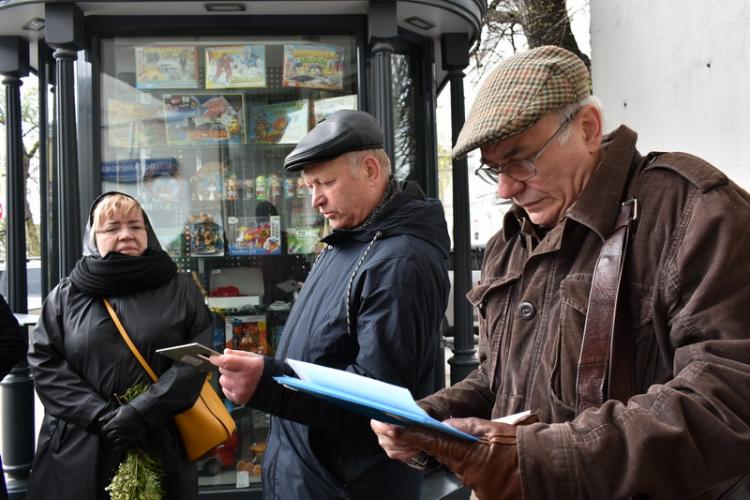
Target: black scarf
117 274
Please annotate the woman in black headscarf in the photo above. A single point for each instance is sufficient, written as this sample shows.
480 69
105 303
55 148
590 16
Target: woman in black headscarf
80 362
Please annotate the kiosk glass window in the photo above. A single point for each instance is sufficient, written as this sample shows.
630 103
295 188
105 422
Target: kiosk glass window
196 129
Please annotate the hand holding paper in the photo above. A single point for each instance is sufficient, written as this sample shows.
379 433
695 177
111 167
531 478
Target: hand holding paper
240 374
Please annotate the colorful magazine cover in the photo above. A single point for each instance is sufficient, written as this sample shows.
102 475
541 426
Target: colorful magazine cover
254 235
247 333
206 234
279 123
174 67
134 125
235 66
312 65
204 119
304 233
322 108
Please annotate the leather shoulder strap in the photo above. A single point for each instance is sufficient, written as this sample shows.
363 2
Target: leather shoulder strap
599 331
129 342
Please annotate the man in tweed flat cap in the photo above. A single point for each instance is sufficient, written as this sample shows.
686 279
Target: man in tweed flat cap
613 306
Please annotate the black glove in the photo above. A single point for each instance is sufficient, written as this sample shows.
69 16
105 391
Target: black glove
101 420
126 429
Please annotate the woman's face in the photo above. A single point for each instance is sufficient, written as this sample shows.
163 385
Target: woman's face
124 233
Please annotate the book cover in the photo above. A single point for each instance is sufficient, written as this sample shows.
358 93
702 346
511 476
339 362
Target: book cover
204 119
322 108
279 123
247 333
235 66
366 396
206 235
313 65
254 235
168 67
133 124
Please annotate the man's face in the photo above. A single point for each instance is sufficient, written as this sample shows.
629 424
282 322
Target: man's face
344 195
562 170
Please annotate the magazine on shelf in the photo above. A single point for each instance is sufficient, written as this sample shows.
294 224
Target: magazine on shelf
366 396
279 123
134 124
313 65
235 66
168 67
322 108
204 119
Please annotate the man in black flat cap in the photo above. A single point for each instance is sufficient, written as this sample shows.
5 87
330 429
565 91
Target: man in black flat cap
371 305
613 303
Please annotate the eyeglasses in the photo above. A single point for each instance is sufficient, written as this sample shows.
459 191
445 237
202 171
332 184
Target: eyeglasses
518 170
115 230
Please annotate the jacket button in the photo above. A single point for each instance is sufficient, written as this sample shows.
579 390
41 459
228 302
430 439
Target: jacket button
526 310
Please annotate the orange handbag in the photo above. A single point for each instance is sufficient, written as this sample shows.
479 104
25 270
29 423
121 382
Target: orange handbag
204 426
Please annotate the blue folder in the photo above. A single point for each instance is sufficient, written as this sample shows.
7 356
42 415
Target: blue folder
366 396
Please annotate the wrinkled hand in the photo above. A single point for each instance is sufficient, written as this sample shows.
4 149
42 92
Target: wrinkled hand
489 466
125 429
240 374
389 438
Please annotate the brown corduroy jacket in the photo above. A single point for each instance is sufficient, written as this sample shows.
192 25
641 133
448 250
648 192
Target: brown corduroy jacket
686 286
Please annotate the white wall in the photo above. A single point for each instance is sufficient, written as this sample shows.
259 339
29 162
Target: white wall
678 73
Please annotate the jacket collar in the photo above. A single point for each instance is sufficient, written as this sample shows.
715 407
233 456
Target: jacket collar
599 203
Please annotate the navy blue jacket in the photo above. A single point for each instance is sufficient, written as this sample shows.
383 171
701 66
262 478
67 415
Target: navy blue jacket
371 305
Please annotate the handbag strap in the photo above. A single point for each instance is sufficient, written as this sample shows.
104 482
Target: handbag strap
129 342
596 364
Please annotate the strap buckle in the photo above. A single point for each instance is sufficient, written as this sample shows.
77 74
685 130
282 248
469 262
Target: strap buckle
633 211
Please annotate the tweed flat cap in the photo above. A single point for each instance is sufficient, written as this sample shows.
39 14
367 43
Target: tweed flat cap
339 133
520 91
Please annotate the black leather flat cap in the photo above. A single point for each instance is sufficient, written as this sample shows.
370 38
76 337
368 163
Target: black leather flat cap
341 132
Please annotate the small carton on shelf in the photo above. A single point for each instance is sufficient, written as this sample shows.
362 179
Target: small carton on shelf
254 235
205 234
247 333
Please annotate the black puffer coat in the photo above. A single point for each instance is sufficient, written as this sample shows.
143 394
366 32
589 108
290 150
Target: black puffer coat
79 361
390 281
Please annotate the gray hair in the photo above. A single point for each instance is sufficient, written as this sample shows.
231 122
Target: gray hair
355 159
567 112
